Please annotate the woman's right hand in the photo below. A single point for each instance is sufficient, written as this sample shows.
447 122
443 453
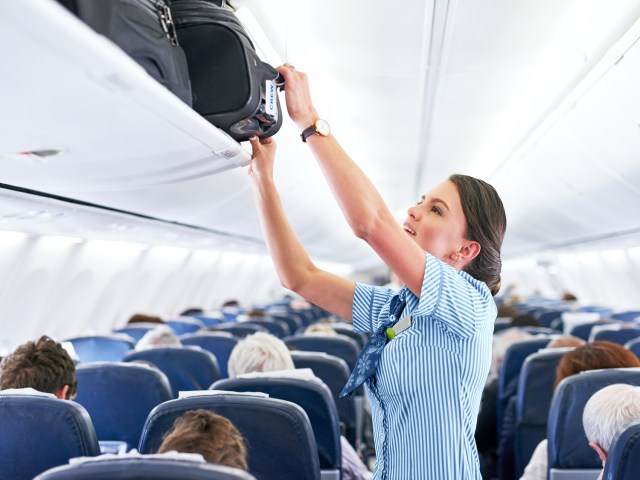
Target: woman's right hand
262 158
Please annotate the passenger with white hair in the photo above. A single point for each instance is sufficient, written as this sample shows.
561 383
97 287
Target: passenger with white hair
259 352
161 336
607 412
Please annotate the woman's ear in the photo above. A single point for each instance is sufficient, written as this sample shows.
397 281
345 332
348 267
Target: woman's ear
469 251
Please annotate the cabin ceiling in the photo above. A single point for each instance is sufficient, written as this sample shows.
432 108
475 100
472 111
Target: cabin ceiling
538 97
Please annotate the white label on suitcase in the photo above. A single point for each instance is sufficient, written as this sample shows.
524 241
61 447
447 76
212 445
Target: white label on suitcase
271 107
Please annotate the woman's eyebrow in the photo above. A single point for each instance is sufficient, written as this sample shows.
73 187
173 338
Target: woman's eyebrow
440 201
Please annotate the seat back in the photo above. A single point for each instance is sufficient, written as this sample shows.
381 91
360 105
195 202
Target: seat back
628 316
510 368
41 432
316 400
360 337
535 391
334 372
280 441
144 468
137 330
569 455
621 336
277 328
292 321
634 346
583 330
219 344
239 330
119 398
623 457
183 325
186 367
102 348
339 346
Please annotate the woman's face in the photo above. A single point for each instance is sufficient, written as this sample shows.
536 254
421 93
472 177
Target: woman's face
437 222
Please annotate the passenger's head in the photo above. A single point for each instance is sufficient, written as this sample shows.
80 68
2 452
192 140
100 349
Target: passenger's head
462 222
42 365
566 341
526 321
259 352
144 318
607 412
594 356
212 436
161 336
320 329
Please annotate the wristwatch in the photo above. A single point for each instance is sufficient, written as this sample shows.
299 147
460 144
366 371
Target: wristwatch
319 127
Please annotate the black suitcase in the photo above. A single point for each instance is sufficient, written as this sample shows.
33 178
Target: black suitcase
232 88
145 31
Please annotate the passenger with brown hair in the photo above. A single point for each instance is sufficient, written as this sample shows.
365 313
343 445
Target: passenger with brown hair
43 365
144 318
212 436
590 356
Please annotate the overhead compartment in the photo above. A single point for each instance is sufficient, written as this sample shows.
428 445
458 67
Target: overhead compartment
79 115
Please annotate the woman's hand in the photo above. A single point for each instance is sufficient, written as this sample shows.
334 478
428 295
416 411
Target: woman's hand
262 158
298 96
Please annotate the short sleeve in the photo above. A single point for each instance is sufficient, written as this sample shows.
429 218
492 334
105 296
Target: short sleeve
454 299
369 304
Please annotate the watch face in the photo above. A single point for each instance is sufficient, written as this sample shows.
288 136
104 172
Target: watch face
322 127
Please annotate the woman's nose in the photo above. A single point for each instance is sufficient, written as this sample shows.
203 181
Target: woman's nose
413 214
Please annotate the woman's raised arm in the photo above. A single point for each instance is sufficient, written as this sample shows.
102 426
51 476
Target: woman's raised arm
363 207
295 268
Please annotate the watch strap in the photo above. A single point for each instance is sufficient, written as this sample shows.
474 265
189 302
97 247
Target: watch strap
307 132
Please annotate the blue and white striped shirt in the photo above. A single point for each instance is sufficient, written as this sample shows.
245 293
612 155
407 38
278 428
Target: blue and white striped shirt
429 381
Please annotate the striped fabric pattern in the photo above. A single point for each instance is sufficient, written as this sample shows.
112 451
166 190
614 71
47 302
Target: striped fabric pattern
426 394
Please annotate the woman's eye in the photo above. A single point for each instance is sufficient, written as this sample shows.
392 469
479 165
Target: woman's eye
436 210
420 200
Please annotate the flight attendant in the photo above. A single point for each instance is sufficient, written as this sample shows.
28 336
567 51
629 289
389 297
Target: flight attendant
428 358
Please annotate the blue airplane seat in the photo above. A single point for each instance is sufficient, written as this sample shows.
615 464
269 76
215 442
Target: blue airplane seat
569 454
137 330
276 328
339 346
102 348
293 322
40 432
623 458
220 344
183 325
603 311
548 316
119 398
239 330
627 316
279 437
535 391
360 337
210 319
583 330
510 369
634 346
334 372
316 400
186 367
621 336
144 468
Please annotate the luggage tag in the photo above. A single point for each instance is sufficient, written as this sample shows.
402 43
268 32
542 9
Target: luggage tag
399 327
